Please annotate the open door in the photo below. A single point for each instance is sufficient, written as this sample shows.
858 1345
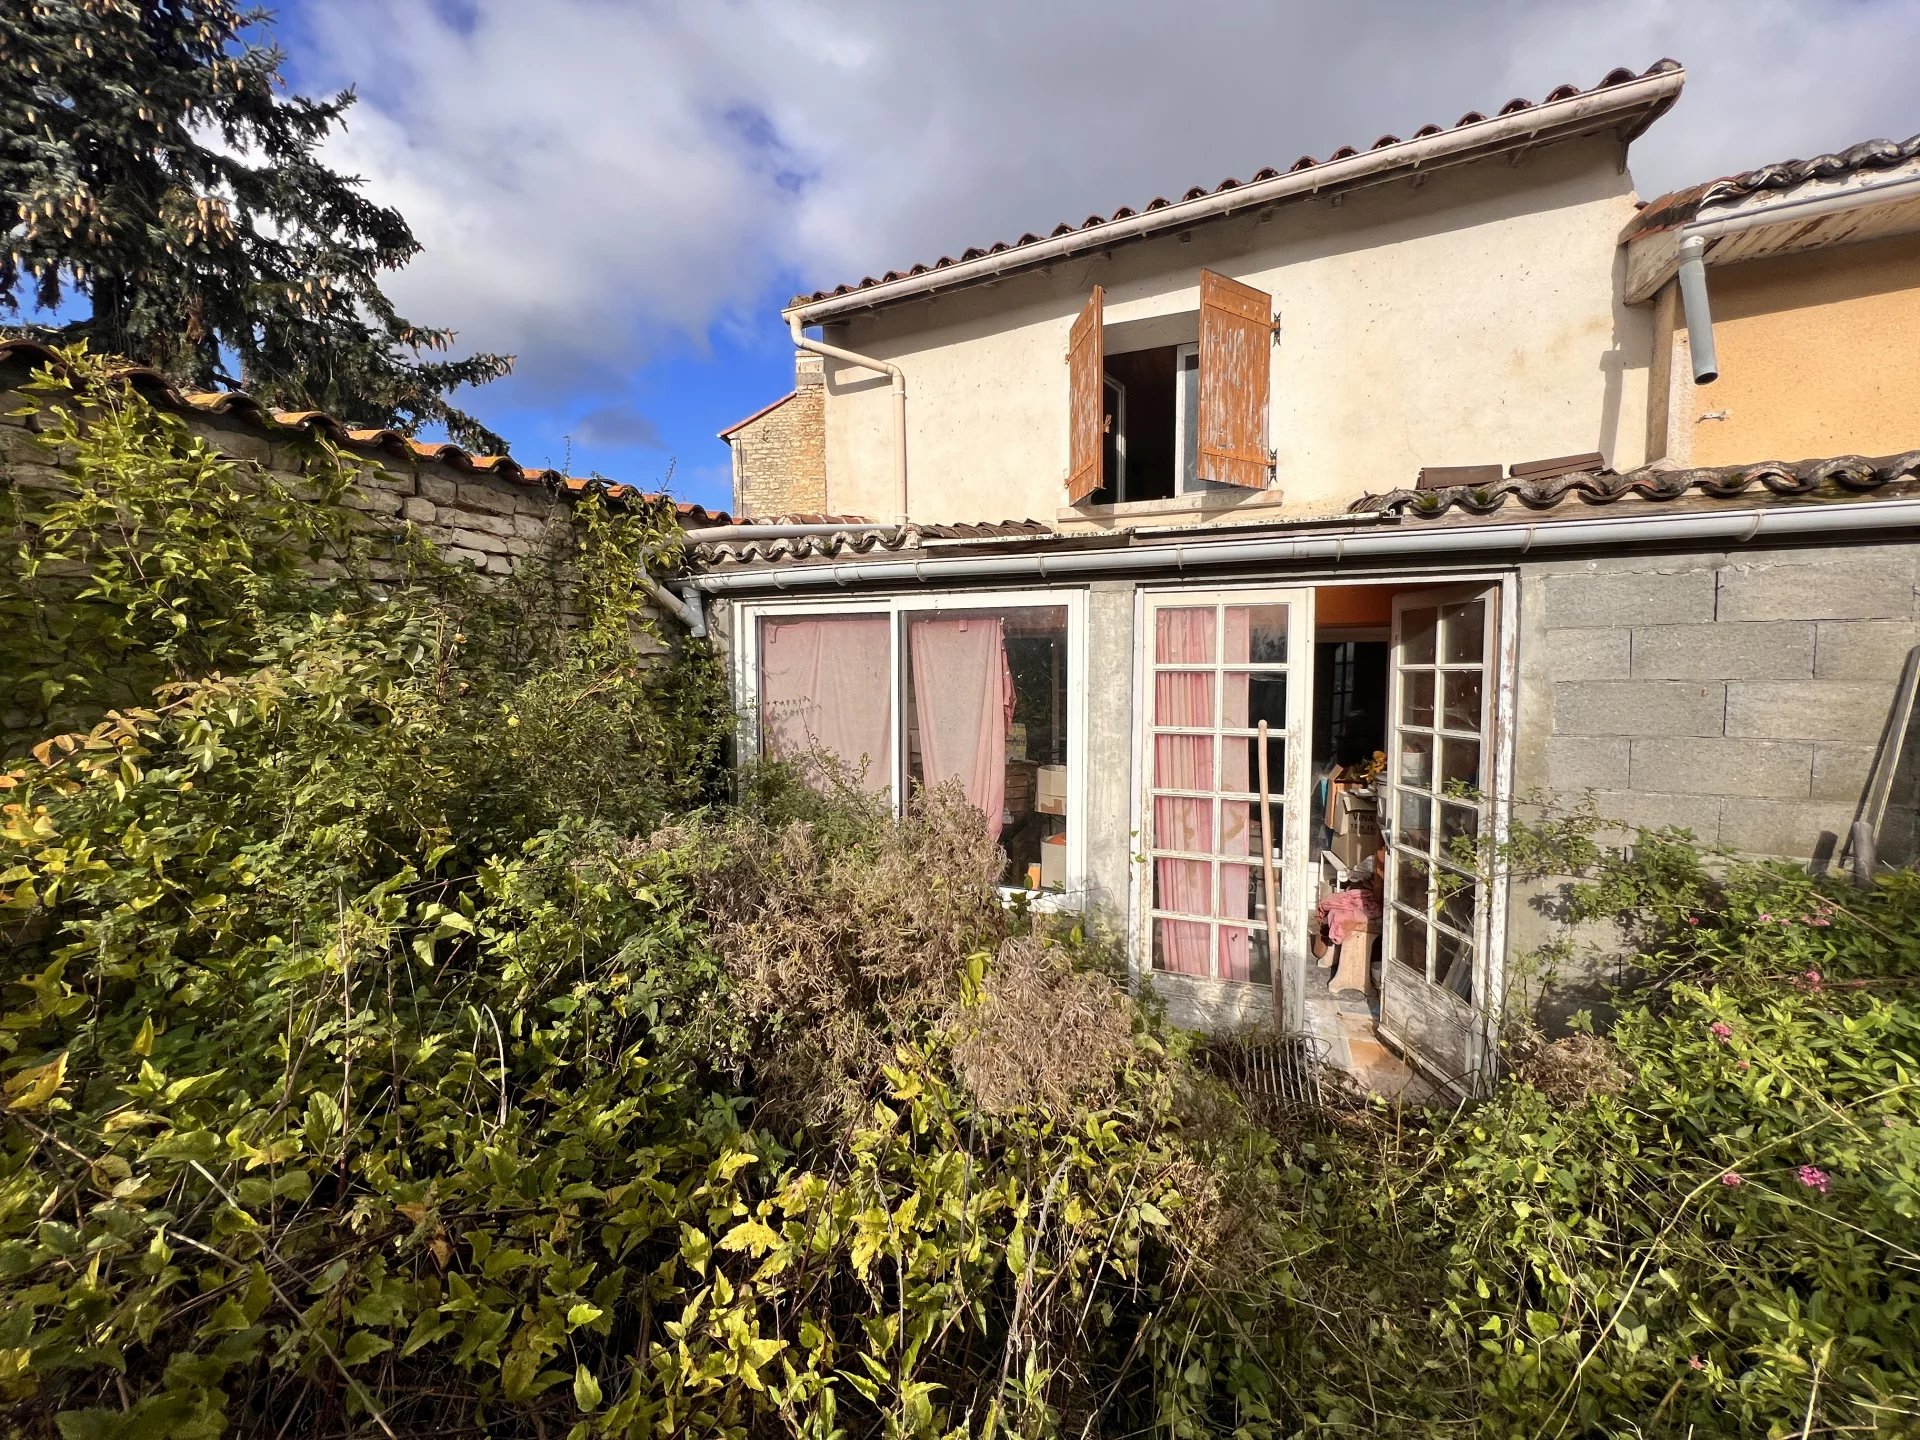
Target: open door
1220 663
1436 978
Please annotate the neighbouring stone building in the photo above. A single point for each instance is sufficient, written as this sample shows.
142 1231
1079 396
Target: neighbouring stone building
780 451
1446 445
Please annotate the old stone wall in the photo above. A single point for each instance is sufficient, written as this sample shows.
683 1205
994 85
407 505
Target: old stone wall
780 457
490 523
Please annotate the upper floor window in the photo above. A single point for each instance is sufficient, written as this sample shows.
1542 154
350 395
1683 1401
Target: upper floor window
1164 420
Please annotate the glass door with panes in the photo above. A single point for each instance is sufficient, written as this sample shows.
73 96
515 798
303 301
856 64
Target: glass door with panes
1220 663
1440 767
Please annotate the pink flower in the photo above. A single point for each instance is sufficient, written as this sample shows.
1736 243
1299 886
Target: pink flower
1693 919
1814 1178
1720 1031
1694 1362
1746 1064
1812 977
1732 1178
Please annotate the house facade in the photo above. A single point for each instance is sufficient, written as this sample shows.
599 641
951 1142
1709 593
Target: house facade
1150 531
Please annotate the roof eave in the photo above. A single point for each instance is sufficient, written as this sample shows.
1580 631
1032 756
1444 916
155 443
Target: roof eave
1627 108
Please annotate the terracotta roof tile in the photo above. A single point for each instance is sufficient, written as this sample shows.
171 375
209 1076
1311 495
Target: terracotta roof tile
240 406
1618 76
1677 207
861 537
1839 475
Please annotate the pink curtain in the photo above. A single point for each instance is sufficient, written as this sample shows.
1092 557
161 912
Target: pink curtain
825 688
1236 774
1183 637
963 705
1184 762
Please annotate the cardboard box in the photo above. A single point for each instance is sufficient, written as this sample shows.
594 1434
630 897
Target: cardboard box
1021 787
1053 863
1052 794
1351 804
1359 840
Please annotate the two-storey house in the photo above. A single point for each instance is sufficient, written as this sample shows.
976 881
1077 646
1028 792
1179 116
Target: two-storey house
1447 449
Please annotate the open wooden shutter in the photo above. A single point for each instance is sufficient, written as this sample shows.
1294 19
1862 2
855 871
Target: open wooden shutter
1086 360
1236 374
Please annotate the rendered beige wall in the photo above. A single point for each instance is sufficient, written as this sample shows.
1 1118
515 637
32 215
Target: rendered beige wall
1819 355
1472 319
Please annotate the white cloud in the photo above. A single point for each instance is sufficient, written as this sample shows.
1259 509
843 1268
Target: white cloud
591 178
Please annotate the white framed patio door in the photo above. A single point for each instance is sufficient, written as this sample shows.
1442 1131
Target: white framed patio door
1217 664
1437 978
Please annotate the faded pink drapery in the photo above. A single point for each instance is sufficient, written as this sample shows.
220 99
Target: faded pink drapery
1186 636
825 687
963 705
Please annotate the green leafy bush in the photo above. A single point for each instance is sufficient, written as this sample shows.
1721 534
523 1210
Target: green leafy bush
402 1037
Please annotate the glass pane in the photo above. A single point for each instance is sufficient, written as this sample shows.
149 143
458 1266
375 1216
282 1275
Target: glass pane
1239 827
1240 764
1453 965
1183 886
1256 634
1243 955
965 669
1180 946
1458 822
1259 964
1410 882
1182 824
1416 637
1416 697
1183 697
1466 633
1456 901
1415 830
1240 892
1410 942
1184 636
1416 760
826 698
1250 698
1461 710
1460 766
1182 762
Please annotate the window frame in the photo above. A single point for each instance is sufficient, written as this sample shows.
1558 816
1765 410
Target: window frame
746 688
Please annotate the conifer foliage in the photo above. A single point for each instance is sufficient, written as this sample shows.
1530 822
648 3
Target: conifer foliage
153 165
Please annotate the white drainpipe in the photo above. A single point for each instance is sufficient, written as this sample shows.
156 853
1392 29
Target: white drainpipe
885 367
1512 541
1693 301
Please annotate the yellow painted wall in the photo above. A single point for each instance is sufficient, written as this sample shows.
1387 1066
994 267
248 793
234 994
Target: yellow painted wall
1819 355
1475 319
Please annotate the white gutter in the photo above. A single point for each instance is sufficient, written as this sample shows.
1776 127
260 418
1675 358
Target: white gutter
1805 207
1512 540
884 367
1582 113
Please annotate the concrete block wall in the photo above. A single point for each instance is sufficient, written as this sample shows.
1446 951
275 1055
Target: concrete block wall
1739 695
780 458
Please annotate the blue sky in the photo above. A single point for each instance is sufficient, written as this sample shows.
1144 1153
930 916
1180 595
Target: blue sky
623 192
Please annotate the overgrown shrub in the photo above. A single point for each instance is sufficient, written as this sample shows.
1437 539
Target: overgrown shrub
402 1037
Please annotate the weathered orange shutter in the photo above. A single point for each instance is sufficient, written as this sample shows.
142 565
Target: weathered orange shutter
1086 361
1236 374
